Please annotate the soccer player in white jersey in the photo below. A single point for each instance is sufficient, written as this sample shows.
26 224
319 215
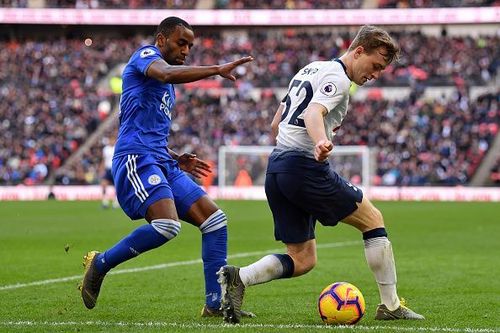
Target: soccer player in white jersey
108 198
302 188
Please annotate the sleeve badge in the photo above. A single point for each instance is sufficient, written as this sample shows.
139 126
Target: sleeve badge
328 89
147 52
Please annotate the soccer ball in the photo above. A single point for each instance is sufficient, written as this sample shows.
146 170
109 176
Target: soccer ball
341 303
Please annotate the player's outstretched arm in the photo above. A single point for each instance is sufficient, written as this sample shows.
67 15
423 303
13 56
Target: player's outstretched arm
162 71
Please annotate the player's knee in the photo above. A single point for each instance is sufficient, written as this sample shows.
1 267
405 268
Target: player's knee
167 227
214 222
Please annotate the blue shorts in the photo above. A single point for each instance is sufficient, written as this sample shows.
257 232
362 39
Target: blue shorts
108 176
301 191
141 180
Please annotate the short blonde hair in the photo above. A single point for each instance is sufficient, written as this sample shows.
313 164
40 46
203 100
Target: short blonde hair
371 38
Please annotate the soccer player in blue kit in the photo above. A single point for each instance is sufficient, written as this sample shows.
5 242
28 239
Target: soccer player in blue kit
301 187
149 178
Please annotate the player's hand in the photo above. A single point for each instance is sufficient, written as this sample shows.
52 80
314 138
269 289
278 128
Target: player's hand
322 150
226 69
193 165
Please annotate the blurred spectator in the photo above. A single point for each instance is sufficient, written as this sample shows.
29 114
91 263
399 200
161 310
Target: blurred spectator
243 178
495 173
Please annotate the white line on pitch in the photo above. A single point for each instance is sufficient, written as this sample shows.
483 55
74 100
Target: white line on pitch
162 266
150 324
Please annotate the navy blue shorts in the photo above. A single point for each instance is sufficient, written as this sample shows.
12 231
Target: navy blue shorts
141 180
301 191
108 176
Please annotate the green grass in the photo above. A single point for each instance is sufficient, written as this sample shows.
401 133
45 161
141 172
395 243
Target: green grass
446 254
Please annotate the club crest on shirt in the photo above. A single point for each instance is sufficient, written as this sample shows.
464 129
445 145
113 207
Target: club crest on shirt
147 52
154 179
329 89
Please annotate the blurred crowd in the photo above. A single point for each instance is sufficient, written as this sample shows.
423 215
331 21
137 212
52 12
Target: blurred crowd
435 4
288 4
52 100
417 142
439 61
244 4
421 142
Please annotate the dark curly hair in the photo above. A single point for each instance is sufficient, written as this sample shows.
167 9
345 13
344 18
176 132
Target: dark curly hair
168 25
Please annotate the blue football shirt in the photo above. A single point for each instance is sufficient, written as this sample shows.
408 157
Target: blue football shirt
145 107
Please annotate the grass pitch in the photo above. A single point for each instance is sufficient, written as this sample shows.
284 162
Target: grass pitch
446 255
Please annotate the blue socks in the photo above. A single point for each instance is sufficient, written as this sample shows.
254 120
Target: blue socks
214 255
150 236
142 239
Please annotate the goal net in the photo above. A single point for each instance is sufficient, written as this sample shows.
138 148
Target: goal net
246 165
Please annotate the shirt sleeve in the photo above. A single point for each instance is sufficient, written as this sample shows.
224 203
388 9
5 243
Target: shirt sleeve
331 90
144 57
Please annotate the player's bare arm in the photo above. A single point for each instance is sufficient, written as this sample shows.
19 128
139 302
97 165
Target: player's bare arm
162 71
276 121
315 126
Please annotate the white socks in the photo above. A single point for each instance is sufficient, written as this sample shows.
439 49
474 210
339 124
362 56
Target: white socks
378 253
266 269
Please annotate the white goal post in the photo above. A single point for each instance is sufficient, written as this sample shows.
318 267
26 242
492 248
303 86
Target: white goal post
355 163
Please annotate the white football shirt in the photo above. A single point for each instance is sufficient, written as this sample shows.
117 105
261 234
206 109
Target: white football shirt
322 82
107 154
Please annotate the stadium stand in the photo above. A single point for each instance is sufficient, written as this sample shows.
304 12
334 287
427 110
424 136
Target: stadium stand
424 142
244 4
434 4
103 4
50 102
288 4
53 90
